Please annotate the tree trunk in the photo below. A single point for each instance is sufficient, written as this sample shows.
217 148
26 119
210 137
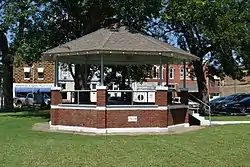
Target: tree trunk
7 73
8 86
201 81
202 86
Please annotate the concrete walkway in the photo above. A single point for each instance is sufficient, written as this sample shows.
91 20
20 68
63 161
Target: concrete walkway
229 122
44 127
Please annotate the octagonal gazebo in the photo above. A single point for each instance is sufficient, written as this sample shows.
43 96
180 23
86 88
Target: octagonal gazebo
118 46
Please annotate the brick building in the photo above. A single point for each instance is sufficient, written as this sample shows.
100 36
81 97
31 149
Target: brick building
43 79
39 77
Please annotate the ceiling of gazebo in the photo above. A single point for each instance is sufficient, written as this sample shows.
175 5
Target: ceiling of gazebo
117 46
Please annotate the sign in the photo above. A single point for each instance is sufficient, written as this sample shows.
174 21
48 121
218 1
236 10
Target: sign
132 118
33 85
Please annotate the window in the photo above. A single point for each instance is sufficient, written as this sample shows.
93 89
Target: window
64 95
94 86
30 95
40 73
182 73
155 74
63 86
26 73
171 73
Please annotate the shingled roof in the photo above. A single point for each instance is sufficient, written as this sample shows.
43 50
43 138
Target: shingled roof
119 41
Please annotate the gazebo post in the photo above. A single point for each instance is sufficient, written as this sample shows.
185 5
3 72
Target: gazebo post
167 74
85 75
102 75
185 74
160 84
56 72
184 90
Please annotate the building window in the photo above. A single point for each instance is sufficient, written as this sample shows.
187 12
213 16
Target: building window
182 73
63 86
171 73
26 71
155 73
64 95
40 71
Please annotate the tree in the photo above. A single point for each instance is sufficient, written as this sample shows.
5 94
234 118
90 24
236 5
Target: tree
77 18
15 18
213 29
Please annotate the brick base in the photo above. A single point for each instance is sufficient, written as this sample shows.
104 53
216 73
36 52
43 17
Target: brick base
118 118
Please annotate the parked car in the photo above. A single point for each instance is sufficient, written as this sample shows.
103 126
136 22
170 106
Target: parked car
213 102
32 98
221 105
239 107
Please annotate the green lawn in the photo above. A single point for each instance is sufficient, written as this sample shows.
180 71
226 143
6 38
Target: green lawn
229 118
213 146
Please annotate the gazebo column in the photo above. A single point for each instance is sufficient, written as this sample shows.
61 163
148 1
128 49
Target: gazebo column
56 72
185 74
167 74
184 90
160 83
101 102
102 71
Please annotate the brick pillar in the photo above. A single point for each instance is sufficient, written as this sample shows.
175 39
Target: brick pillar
184 96
101 102
56 97
161 96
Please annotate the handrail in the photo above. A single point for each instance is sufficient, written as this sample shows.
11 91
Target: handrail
205 104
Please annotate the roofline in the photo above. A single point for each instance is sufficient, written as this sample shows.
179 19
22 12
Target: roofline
176 55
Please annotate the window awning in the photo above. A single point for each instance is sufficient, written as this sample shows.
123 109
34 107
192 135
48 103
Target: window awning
30 90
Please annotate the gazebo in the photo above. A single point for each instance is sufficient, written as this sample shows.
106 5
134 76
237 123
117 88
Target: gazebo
118 46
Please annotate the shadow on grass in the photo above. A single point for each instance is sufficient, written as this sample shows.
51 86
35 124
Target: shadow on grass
44 114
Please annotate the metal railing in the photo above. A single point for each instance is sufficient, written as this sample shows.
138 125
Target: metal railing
208 108
131 97
78 96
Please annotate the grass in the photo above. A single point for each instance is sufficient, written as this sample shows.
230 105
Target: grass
213 146
229 118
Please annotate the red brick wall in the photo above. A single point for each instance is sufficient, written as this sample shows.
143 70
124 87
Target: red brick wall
72 117
145 118
118 118
48 73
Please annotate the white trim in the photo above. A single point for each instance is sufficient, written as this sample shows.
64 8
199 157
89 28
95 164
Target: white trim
178 126
118 130
93 107
229 122
26 69
101 87
40 69
80 107
161 88
56 88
